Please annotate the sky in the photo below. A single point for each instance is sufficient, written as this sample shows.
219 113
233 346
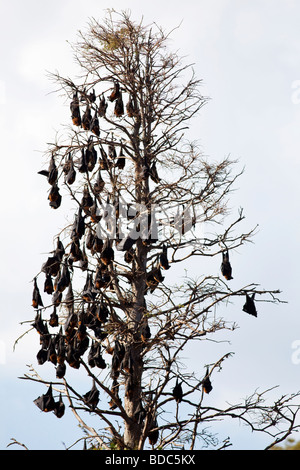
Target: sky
248 57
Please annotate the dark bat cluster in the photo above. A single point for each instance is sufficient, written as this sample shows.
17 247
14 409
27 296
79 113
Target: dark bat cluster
84 327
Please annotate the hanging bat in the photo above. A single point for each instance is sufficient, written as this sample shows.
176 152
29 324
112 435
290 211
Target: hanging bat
116 92
120 163
78 227
57 298
129 256
71 174
145 333
100 183
119 106
36 297
48 284
90 156
95 125
95 358
75 110
130 108
163 259
52 357
153 434
91 398
59 407
45 402
102 312
59 251
112 151
51 173
107 254
226 266
64 279
249 306
177 392
42 356
61 371
153 173
92 96
54 197
115 390
53 321
82 162
69 298
206 383
86 119
75 250
129 387
102 107
84 262
87 200
51 266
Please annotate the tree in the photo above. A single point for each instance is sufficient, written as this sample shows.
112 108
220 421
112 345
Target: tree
142 194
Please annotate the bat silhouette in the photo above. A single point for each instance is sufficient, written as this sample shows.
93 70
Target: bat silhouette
90 156
95 125
163 259
116 92
249 306
53 321
86 119
226 266
153 434
119 106
51 173
36 297
48 284
91 398
75 110
45 402
59 407
206 383
99 184
107 254
177 392
102 107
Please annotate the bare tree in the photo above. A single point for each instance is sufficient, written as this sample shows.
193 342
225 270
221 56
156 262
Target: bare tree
142 196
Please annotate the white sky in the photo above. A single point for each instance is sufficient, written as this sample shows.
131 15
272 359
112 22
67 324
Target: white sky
248 55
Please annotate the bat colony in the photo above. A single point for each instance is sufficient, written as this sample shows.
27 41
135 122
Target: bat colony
84 328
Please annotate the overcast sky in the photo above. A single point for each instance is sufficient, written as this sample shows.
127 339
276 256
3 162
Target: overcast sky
248 56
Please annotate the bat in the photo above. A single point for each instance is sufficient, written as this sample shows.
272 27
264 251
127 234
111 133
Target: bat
86 119
54 197
115 390
163 259
45 402
99 184
102 107
177 392
107 254
91 398
116 92
129 256
95 358
69 298
102 312
75 251
48 284
59 251
51 266
52 357
78 227
249 306
75 110
206 383
71 174
90 156
153 173
94 213
61 371
95 125
92 96
53 321
36 296
64 279
59 407
112 151
119 106
87 200
120 163
51 173
82 162
42 356
130 108
226 266
145 333
153 434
